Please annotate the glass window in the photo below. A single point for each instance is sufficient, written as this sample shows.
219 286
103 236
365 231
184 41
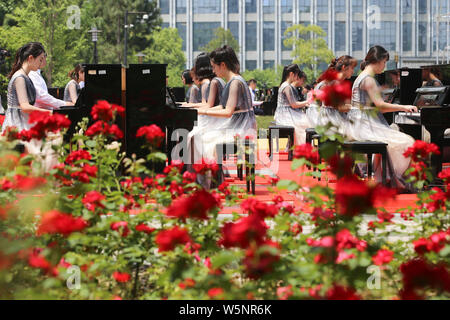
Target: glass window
233 6
442 36
304 5
357 35
406 6
407 36
286 62
268 36
357 6
423 6
206 6
181 27
385 36
322 6
181 6
284 26
164 6
339 36
422 36
250 65
250 6
234 28
268 6
164 25
286 6
268 64
324 26
250 36
386 6
339 6
203 33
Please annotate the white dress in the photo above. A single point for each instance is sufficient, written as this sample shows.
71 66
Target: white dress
285 115
369 125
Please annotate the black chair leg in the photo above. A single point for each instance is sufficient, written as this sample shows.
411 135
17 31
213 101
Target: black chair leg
291 148
270 145
384 167
369 166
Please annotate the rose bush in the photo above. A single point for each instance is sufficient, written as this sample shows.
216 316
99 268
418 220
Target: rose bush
130 233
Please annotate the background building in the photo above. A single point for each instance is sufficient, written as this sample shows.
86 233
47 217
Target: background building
409 29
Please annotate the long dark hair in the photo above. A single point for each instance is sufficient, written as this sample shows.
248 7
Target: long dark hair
375 54
288 69
202 67
34 49
187 77
337 64
74 74
227 55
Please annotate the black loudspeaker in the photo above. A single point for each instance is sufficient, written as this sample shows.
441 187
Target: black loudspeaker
145 101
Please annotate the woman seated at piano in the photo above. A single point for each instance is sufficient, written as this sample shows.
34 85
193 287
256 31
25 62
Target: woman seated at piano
290 111
193 93
329 116
235 106
21 91
369 124
72 89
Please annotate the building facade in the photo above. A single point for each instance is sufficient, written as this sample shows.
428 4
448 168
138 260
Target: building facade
415 31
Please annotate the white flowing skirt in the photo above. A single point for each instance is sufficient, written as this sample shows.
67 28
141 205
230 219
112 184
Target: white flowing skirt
297 118
369 127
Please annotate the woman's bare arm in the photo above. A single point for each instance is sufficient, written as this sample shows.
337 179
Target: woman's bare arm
22 97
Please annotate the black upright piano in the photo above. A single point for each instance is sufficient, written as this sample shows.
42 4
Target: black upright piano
141 89
433 103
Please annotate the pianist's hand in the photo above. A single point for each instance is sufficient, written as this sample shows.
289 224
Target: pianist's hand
69 104
410 108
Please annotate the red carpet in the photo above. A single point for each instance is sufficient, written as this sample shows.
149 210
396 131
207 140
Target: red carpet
283 172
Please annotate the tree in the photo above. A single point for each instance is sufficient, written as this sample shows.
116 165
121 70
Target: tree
221 37
47 21
309 47
165 48
110 19
266 78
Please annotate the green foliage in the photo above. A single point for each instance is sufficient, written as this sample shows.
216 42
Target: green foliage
222 37
165 48
267 78
309 48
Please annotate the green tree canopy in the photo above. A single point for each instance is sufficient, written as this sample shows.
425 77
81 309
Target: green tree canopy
266 78
165 48
309 48
222 37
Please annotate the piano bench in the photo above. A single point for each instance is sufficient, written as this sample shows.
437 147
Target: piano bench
249 150
369 148
309 135
279 131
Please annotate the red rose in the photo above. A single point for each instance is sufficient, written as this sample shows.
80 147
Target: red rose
121 276
259 261
189 177
421 150
153 134
104 111
246 230
284 293
115 132
121 225
99 127
205 166
337 93
144 228
78 155
296 229
168 239
338 292
215 293
383 257
23 183
43 124
194 206
257 207
54 222
307 152
176 166
341 166
92 200
2 119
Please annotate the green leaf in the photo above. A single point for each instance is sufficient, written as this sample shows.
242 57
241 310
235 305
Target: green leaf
222 259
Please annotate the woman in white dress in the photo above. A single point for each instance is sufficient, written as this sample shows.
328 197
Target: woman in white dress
290 111
73 88
235 106
193 92
329 116
366 116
